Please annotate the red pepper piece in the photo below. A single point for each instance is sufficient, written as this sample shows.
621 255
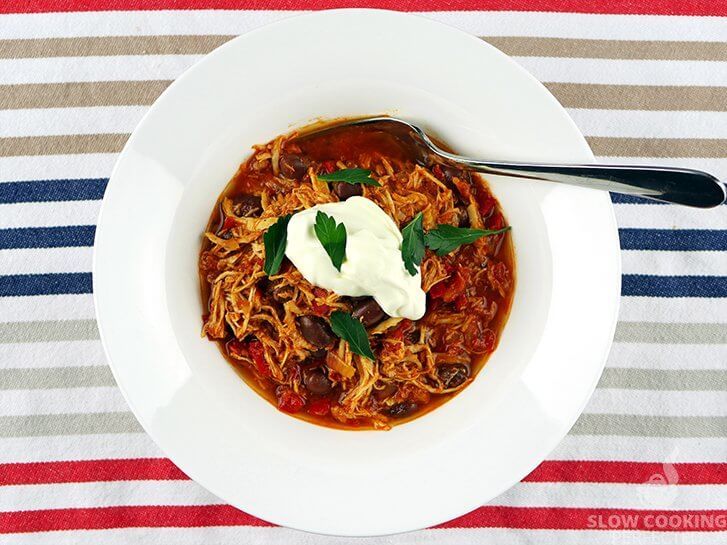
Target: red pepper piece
401 328
496 222
229 223
455 287
319 407
257 353
486 205
329 167
289 401
320 310
235 348
438 173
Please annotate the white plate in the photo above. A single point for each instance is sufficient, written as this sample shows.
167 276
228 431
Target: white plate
221 433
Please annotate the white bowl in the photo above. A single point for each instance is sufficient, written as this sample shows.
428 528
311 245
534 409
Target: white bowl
212 425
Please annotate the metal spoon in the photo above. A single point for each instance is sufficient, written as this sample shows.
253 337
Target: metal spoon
674 185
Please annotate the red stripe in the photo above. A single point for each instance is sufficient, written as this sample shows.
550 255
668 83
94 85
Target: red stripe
162 469
628 472
573 518
651 7
103 518
531 518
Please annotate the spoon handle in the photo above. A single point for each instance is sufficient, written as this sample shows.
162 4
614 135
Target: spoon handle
674 185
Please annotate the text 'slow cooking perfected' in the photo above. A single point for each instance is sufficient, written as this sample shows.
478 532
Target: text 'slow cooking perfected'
353 282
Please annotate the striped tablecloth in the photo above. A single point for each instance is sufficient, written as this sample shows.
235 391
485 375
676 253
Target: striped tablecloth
646 81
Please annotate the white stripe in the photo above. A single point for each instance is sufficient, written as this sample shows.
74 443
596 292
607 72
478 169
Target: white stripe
662 262
668 356
640 449
717 167
46 260
116 68
78 447
626 72
56 167
104 494
677 310
51 121
647 124
47 307
657 403
611 495
491 23
250 535
52 354
62 401
265 536
670 217
49 214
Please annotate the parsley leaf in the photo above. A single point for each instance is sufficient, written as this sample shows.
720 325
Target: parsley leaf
445 238
332 237
350 176
353 332
412 247
275 239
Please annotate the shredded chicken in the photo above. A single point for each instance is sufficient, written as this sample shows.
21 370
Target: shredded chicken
255 317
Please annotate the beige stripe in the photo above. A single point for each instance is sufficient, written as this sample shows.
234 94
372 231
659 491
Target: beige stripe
110 45
68 424
512 45
650 426
571 95
48 331
91 376
80 94
526 46
639 97
608 146
62 144
664 379
675 333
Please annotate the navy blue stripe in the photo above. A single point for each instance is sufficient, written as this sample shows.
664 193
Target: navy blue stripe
620 198
673 286
89 189
674 239
47 237
45 284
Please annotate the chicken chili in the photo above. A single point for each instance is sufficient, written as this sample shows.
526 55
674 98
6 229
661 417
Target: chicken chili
353 281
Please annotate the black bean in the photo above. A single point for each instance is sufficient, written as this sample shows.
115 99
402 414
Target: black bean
249 205
293 166
453 375
316 381
344 190
400 410
368 311
316 331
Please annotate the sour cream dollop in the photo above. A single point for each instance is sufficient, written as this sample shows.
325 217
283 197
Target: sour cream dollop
373 264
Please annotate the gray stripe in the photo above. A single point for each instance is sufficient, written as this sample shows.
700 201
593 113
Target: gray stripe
50 331
102 46
664 379
531 46
639 97
670 333
45 378
650 426
68 424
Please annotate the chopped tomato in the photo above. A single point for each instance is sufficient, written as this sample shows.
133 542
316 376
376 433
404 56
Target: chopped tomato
481 341
461 302
320 310
496 222
289 401
438 173
486 205
437 290
235 348
229 223
329 166
257 353
400 329
320 292
319 407
455 287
